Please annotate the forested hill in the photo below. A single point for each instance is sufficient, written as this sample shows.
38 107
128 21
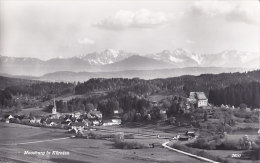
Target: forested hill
181 85
8 82
247 93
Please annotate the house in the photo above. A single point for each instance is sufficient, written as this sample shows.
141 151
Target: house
198 98
190 133
163 111
77 126
96 123
107 122
76 115
65 124
154 103
183 138
86 122
20 117
9 118
53 122
116 111
67 119
114 121
32 120
96 114
111 122
25 121
35 120
248 109
55 116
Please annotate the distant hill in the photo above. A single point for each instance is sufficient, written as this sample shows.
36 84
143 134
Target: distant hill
143 74
137 62
36 67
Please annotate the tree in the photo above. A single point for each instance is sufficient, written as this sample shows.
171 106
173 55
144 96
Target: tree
243 106
31 115
82 107
245 143
171 120
89 107
205 116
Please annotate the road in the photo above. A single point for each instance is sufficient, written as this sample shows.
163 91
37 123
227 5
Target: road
186 153
164 144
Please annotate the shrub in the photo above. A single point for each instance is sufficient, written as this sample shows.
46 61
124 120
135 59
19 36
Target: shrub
129 136
229 145
201 143
128 145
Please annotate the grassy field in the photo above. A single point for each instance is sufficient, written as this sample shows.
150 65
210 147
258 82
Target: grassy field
227 155
80 150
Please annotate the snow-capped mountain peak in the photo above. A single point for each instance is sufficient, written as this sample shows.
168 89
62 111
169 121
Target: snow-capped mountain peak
107 56
177 56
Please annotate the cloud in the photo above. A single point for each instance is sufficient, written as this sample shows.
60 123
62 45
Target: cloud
236 11
188 41
142 18
86 41
243 14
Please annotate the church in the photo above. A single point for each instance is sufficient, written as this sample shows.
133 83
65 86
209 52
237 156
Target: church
54 113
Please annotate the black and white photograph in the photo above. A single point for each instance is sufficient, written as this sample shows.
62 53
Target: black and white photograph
129 81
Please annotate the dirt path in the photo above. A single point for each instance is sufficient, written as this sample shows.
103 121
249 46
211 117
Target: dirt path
188 154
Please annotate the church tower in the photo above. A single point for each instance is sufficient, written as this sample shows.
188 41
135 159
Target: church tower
54 109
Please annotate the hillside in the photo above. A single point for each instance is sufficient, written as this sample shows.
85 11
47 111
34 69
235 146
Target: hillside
8 82
179 85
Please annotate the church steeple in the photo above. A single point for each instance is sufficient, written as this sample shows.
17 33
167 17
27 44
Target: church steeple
54 110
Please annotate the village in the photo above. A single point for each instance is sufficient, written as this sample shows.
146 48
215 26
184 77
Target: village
79 121
74 122
135 120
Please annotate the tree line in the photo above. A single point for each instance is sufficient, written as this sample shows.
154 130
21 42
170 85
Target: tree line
247 93
178 85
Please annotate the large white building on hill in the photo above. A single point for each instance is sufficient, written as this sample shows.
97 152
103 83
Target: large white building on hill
198 98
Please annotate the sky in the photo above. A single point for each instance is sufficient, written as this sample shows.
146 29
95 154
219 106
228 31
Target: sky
65 28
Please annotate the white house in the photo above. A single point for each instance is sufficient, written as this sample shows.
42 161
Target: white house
35 120
95 114
198 98
77 115
95 123
116 111
114 121
8 118
163 111
53 122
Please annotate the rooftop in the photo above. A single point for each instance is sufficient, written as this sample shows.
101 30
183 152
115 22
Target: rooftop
201 95
198 95
77 124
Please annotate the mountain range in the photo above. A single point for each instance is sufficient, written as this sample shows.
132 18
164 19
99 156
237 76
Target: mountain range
117 60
